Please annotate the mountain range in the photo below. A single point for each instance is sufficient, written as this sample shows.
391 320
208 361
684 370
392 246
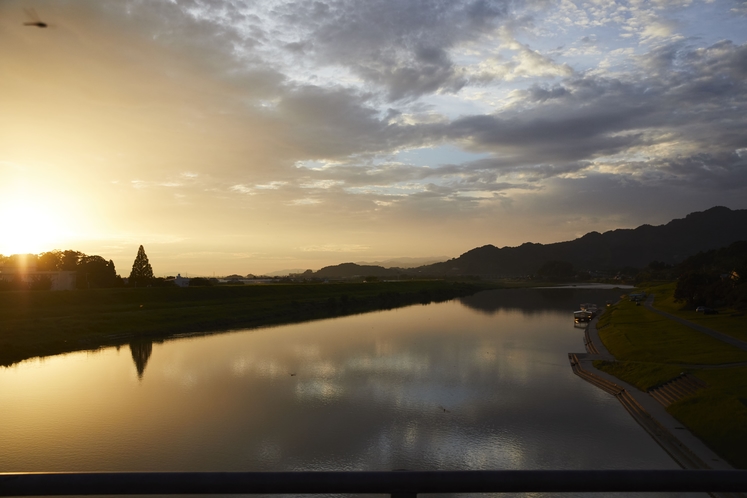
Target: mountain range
613 250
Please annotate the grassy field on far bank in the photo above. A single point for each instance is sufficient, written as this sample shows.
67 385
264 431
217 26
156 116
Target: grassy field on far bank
42 323
652 350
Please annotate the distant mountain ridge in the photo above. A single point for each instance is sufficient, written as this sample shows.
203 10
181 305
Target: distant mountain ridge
404 262
671 243
349 270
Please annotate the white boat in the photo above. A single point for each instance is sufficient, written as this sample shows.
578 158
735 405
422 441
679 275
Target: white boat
587 312
590 307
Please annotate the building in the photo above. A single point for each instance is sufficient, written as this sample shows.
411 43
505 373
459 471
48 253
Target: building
29 277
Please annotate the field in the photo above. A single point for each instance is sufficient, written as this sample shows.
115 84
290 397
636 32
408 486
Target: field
42 323
652 349
728 321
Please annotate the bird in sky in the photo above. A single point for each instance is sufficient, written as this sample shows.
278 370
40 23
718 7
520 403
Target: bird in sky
35 21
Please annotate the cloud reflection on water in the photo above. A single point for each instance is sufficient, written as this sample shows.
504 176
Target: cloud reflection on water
425 387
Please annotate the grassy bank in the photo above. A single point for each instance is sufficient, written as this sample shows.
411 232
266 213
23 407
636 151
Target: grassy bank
652 350
46 323
727 321
634 333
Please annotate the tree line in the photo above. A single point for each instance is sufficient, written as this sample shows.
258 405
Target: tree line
92 271
714 278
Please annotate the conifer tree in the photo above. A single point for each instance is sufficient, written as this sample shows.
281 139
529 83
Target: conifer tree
141 273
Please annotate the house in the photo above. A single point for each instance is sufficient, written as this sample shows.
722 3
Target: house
27 276
181 281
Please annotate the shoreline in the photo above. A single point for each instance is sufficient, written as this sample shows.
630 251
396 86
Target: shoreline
52 324
687 450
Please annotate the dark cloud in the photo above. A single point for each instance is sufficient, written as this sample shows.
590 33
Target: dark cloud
680 111
399 46
687 98
539 94
335 123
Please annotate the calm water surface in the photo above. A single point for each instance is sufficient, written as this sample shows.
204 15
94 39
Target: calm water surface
480 383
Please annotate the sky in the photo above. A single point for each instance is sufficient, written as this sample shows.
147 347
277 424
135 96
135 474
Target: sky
231 136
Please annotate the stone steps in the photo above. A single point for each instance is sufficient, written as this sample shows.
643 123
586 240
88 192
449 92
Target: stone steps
681 454
676 389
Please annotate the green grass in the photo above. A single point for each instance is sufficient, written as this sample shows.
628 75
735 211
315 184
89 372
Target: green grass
718 414
642 375
727 321
652 349
633 333
44 323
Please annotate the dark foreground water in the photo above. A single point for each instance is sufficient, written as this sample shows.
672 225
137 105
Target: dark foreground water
480 383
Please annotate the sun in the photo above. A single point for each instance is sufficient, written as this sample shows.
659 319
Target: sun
29 226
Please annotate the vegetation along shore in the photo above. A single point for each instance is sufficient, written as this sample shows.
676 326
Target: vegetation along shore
37 323
651 350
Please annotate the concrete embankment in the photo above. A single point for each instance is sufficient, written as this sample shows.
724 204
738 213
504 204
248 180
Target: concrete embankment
685 448
685 457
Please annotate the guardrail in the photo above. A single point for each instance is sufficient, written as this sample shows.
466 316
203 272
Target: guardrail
398 484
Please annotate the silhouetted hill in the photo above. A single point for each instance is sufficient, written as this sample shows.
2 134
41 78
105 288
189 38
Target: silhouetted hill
405 262
725 260
349 270
616 249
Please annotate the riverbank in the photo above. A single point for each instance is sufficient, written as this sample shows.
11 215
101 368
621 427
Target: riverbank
684 448
41 323
659 355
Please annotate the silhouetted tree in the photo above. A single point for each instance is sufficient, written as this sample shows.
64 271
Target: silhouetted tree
49 261
142 272
69 260
21 261
141 350
59 260
199 282
96 272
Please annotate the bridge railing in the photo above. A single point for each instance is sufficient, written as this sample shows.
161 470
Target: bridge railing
398 484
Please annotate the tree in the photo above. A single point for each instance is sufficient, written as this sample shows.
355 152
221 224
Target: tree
69 260
199 282
60 260
49 261
141 273
695 289
96 272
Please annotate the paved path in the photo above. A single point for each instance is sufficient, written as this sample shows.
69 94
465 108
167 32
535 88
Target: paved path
649 304
650 405
657 411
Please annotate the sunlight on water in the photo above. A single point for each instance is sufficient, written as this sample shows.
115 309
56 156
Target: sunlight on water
478 384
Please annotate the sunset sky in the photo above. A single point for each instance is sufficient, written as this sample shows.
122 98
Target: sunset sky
253 136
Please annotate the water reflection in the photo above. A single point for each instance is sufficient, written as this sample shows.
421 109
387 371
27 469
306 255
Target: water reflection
481 383
531 301
141 350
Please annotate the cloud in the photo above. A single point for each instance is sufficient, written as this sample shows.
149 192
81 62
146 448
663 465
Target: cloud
242 189
302 118
402 47
526 63
739 8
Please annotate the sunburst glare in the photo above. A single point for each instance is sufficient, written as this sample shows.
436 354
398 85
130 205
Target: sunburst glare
29 226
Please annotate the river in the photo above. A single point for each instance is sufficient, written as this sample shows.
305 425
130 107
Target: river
477 383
